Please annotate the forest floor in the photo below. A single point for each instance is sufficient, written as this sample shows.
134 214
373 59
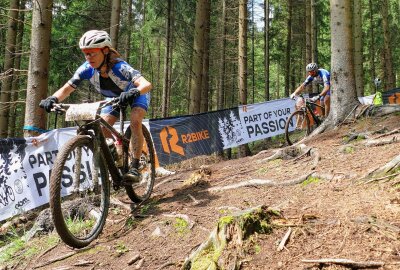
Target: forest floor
337 215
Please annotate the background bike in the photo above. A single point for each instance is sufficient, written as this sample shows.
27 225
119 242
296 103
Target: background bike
80 182
304 120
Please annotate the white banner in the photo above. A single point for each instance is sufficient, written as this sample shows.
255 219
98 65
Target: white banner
264 120
25 166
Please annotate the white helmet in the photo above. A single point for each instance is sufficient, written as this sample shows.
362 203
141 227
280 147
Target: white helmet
311 67
95 39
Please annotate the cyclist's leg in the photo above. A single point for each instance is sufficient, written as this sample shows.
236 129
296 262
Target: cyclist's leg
111 116
327 103
138 111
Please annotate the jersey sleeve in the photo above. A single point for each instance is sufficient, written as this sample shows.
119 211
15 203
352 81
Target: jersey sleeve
125 71
326 78
84 72
308 80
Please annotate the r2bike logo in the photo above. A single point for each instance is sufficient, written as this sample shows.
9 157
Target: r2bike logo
171 143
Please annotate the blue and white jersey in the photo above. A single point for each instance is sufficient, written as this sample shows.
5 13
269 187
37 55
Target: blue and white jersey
323 77
120 78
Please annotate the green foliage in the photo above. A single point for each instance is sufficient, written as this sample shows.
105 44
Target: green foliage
181 226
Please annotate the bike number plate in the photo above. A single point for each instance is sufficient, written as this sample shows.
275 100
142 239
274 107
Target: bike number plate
80 112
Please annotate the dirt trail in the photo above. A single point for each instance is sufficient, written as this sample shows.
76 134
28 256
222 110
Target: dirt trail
333 216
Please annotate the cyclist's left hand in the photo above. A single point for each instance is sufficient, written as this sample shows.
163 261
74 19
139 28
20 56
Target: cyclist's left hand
314 99
129 96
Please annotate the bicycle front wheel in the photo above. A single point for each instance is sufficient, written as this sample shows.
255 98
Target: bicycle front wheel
142 191
297 127
79 192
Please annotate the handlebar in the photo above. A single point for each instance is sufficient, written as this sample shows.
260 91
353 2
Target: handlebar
61 108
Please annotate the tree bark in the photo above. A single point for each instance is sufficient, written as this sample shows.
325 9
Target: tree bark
266 50
389 81
5 95
343 98
16 81
221 89
129 32
38 73
198 56
288 49
358 53
372 45
314 38
114 22
166 85
244 150
205 88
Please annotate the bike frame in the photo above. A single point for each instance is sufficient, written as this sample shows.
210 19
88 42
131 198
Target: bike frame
96 126
307 107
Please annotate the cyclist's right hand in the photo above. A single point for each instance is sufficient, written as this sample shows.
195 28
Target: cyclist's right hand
48 103
293 96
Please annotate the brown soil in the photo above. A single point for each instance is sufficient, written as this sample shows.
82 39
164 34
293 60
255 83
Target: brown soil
339 216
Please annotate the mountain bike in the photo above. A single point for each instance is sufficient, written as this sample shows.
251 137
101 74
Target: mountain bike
304 120
79 181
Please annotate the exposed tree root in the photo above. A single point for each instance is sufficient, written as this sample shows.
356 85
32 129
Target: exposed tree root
348 263
223 248
381 141
389 168
261 182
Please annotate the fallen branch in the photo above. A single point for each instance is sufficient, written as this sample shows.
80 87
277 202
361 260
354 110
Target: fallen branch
134 259
284 239
63 257
348 263
165 265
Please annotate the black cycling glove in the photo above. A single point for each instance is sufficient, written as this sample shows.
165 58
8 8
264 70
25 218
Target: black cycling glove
129 96
48 103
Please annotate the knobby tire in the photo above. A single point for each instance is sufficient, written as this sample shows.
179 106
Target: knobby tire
100 194
301 131
143 192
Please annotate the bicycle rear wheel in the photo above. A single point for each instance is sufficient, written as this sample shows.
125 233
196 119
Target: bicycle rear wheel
297 127
79 192
142 191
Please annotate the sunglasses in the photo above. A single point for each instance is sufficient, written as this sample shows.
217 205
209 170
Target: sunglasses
91 52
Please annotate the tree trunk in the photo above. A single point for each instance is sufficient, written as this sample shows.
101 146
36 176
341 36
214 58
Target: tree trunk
16 81
166 85
372 45
389 81
198 54
205 88
141 55
244 150
114 22
288 49
8 67
266 49
38 73
358 53
343 98
308 33
222 73
314 38
129 32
